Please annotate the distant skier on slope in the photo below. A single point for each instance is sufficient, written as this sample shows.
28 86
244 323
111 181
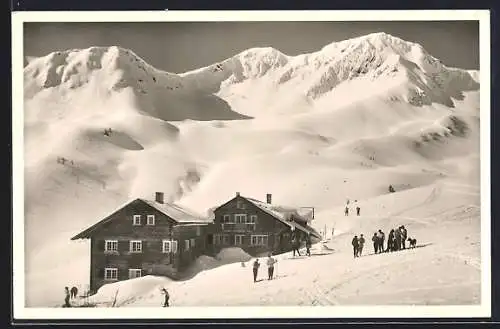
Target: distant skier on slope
295 246
361 243
308 244
375 242
381 239
255 269
346 211
67 296
404 235
270 266
391 241
397 240
355 245
73 292
358 209
167 297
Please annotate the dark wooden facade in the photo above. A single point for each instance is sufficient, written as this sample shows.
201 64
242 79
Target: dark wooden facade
241 223
114 244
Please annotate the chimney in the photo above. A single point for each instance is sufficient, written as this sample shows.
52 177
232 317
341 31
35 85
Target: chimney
237 193
268 198
159 197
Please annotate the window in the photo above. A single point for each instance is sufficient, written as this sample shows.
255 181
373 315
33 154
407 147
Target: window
217 239
186 244
240 218
240 204
167 246
111 246
137 220
192 243
134 273
226 219
110 274
253 219
151 220
238 240
259 240
136 246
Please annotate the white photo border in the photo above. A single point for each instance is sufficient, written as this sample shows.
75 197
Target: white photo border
21 312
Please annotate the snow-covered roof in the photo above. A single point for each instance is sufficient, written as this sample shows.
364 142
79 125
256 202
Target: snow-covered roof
285 214
176 212
179 214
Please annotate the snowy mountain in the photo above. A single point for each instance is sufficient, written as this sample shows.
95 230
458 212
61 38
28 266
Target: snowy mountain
314 129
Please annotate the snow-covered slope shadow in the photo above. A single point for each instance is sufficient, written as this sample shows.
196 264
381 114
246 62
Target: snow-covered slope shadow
117 138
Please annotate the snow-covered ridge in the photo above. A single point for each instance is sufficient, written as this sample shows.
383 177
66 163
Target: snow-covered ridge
374 56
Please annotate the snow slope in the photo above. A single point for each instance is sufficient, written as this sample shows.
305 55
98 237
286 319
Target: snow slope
259 122
443 269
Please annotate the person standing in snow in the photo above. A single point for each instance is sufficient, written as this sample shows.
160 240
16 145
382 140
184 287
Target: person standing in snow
404 235
308 244
270 266
375 242
346 211
381 239
361 243
358 209
397 239
390 241
66 297
256 266
295 243
355 245
167 297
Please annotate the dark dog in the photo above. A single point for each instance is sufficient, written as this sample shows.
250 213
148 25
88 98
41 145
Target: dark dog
413 242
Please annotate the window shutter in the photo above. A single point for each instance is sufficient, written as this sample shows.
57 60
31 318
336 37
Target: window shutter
174 246
100 245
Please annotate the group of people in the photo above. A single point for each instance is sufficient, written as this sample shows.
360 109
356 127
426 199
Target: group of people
358 209
69 294
270 267
396 241
358 244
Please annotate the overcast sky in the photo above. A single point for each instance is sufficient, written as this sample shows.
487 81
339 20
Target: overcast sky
180 47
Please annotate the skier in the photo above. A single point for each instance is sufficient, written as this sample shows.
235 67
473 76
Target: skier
73 292
397 240
296 245
358 209
66 297
256 265
295 242
355 245
391 189
375 242
404 235
167 297
390 241
381 239
346 211
361 243
308 244
270 266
